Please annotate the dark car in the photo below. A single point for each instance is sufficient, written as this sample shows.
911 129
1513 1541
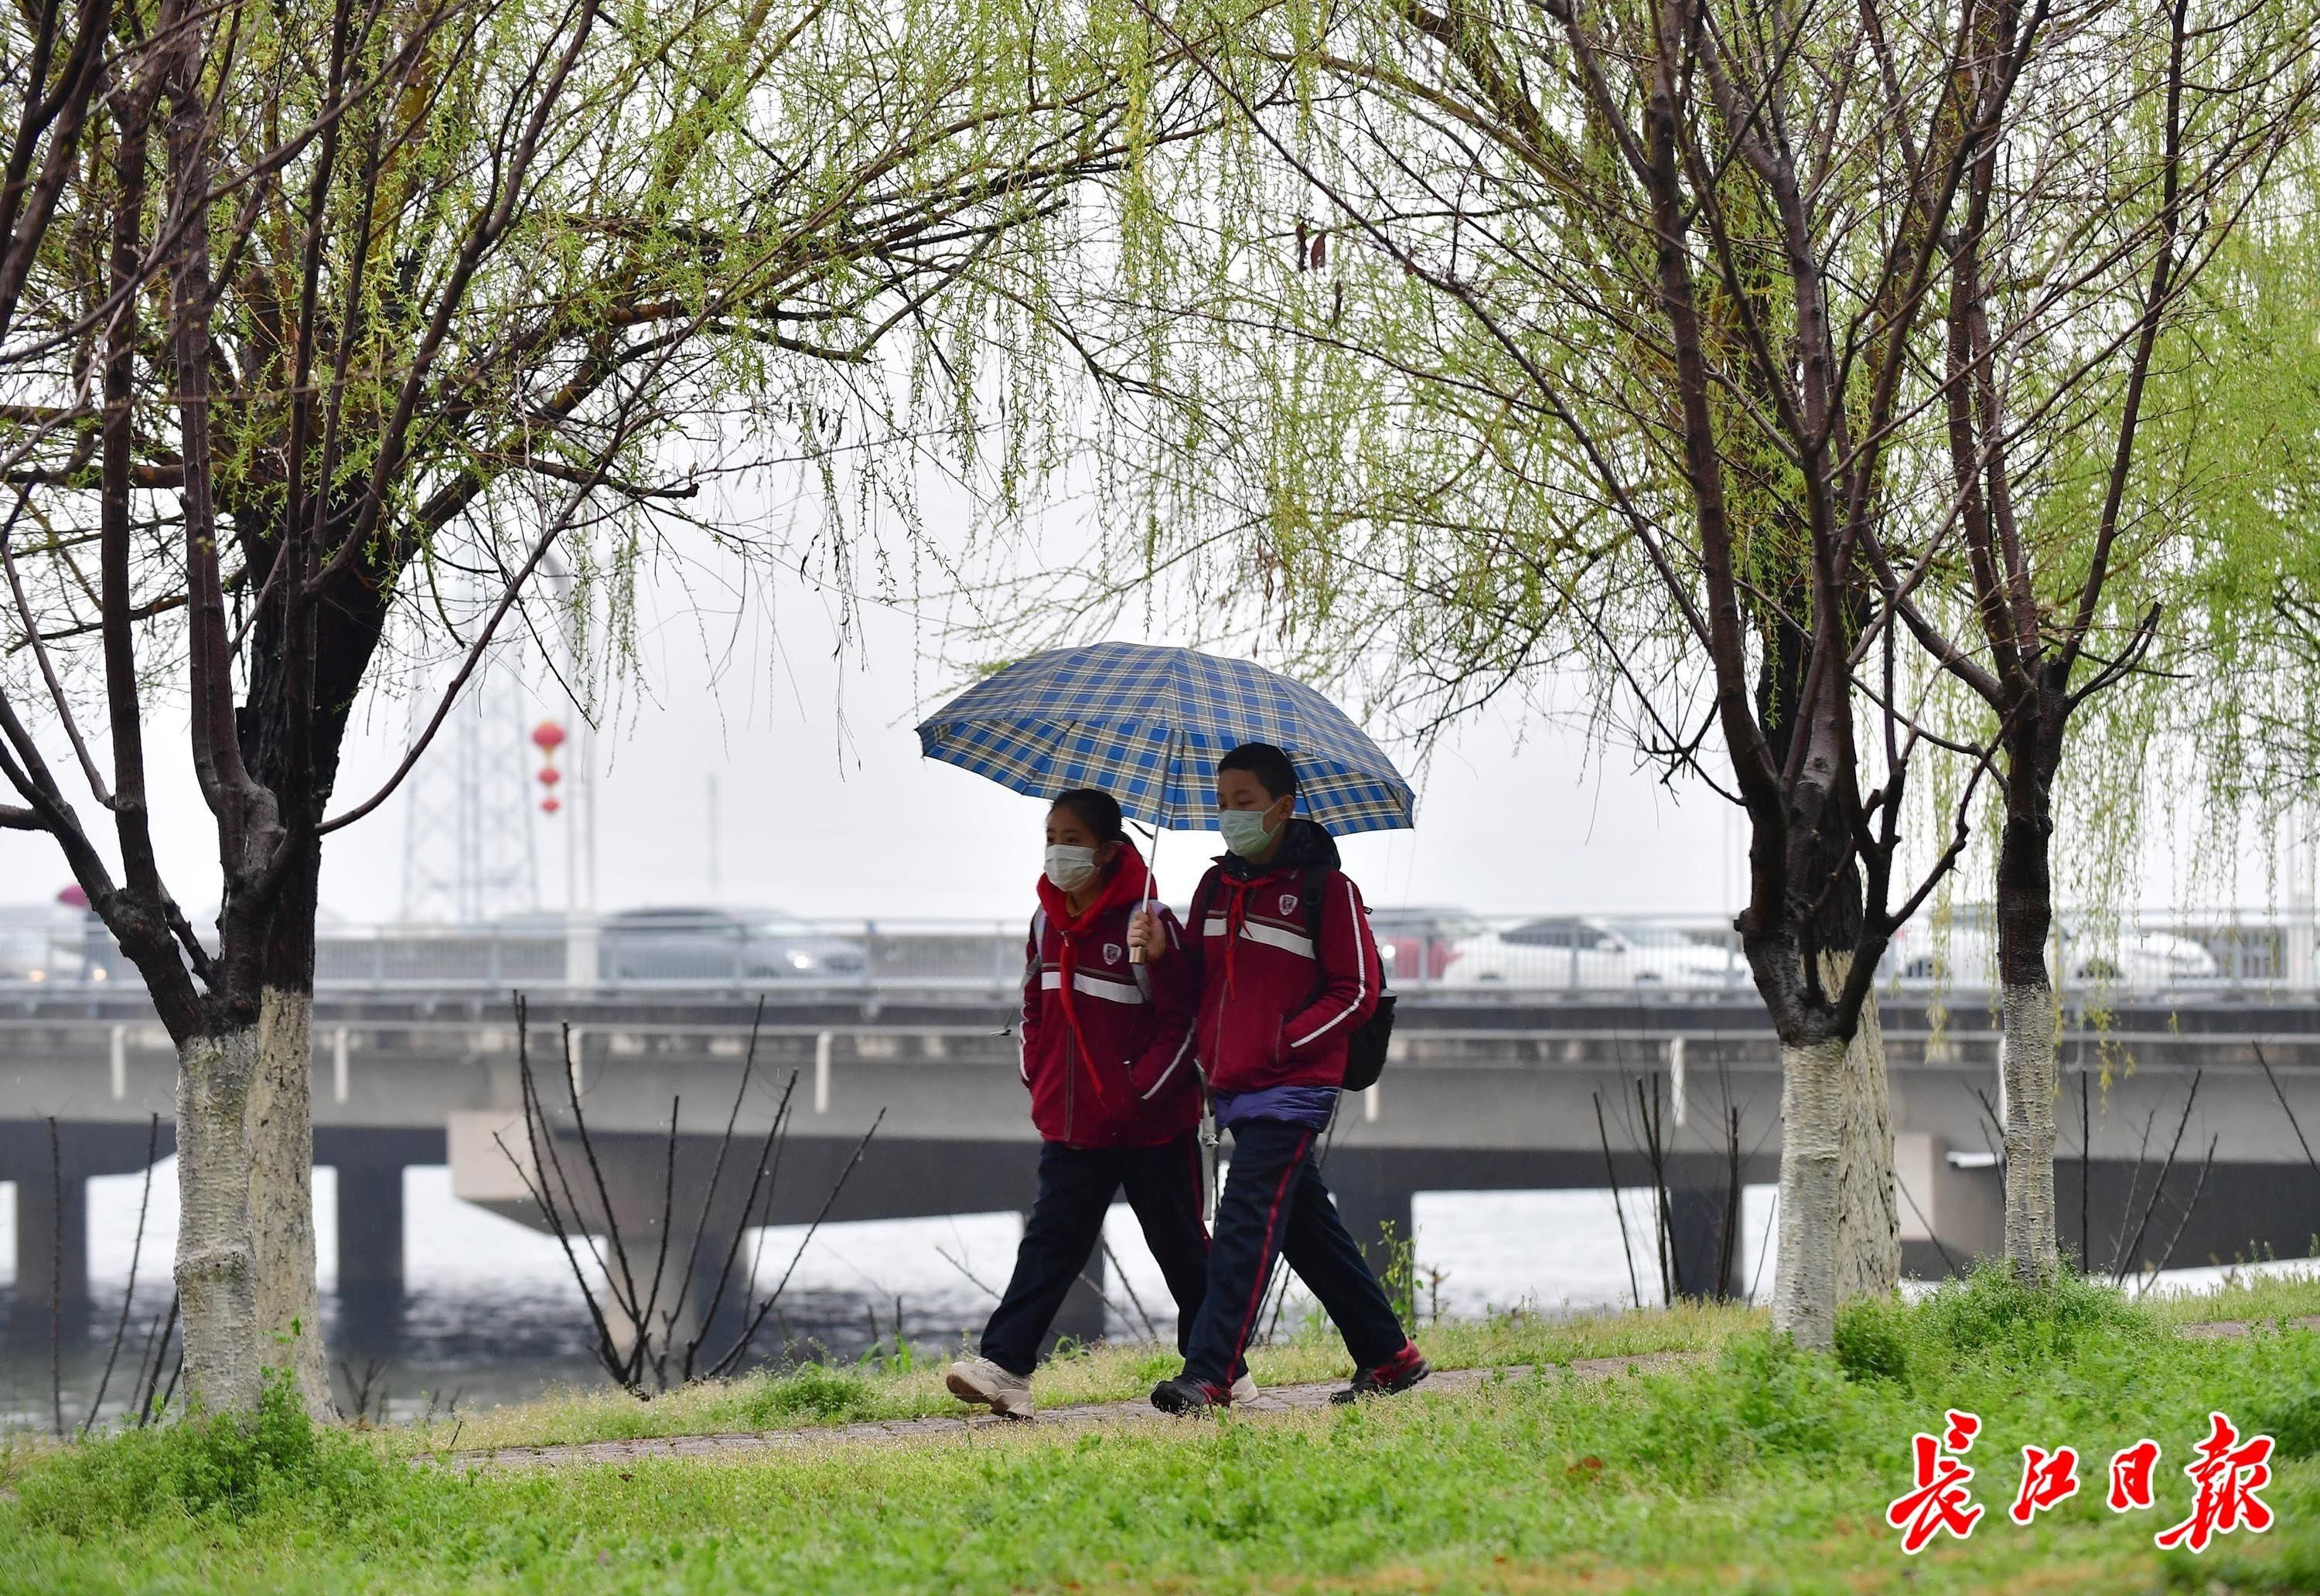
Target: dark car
711 945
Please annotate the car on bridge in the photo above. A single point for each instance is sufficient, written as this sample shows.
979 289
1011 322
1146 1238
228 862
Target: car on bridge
717 945
2114 957
1576 953
1418 946
43 942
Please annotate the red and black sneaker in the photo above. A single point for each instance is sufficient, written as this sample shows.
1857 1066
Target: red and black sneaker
1398 1372
1186 1395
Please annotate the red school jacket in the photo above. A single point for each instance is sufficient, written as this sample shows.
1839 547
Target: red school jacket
1275 1009
1107 1045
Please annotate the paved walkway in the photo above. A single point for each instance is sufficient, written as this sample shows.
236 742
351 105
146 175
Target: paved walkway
950 1427
1284 1399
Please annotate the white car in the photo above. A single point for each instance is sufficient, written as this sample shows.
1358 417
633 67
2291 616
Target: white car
2118 959
1576 954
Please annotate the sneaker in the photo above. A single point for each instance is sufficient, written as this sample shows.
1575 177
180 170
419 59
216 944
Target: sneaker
1182 1395
980 1380
1398 1372
1244 1390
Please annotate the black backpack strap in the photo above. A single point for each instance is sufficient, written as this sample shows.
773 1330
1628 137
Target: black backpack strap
1196 914
1310 881
1037 951
1315 878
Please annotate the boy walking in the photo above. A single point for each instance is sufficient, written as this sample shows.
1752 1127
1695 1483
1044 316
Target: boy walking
1277 1005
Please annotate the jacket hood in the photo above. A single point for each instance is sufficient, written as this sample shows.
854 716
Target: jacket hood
1304 846
1124 883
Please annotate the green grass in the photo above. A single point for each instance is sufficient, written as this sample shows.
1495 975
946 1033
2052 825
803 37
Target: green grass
2255 1298
816 1394
1758 1468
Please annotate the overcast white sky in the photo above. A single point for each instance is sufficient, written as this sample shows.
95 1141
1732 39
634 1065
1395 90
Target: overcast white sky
825 807
858 823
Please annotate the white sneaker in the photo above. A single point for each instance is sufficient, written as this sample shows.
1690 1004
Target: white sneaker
980 1380
1244 1390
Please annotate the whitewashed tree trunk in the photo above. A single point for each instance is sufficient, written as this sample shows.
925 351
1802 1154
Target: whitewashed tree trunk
1868 1216
2032 1083
216 1270
1812 1151
282 1195
246 1230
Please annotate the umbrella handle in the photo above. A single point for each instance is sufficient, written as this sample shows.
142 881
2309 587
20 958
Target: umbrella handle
1136 949
1151 865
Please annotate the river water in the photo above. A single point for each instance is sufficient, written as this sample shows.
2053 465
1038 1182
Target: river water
493 1314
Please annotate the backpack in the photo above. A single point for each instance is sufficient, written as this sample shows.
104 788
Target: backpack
1365 1050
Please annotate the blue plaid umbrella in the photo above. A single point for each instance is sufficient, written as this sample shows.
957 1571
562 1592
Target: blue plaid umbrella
1148 725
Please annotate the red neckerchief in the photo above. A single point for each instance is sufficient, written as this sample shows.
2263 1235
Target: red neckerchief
1237 911
1124 883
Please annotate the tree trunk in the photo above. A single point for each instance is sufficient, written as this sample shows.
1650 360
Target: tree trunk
1812 1152
2025 919
217 1284
295 755
2031 1085
1863 1235
246 1233
1868 1221
282 1195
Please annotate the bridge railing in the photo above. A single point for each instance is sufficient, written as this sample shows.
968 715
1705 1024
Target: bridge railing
1485 957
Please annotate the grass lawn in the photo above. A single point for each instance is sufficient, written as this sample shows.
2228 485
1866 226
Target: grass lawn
1758 1468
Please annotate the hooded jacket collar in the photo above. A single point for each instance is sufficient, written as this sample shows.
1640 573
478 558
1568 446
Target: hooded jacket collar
1123 883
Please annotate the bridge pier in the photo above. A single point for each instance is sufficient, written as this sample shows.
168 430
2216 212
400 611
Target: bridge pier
1082 1315
51 1253
370 1253
1697 1215
2246 1213
369 1225
1368 1204
52 1217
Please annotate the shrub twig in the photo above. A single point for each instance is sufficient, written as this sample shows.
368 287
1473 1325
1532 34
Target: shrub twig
56 1281
136 1252
2160 1184
1627 1249
2183 1221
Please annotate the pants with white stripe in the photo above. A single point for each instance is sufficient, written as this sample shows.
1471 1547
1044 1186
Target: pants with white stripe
1076 1186
1273 1206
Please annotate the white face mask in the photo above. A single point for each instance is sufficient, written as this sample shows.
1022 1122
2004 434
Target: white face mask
1244 831
1070 868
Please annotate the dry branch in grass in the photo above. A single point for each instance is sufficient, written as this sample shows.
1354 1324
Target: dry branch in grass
655 1331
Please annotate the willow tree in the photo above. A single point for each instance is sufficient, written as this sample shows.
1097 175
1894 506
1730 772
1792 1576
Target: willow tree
1604 329
2066 292
2236 428
344 298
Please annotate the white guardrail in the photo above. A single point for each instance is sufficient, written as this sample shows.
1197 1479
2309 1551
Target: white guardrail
2150 955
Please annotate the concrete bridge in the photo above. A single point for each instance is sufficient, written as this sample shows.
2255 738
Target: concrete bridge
1484 1092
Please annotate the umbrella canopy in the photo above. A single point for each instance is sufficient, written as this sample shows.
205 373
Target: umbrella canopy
1149 726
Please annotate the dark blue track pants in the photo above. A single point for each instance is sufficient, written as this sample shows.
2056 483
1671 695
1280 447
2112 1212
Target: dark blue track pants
1275 1206
1076 1186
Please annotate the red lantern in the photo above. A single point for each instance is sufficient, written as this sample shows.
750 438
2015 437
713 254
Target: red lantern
547 737
74 897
